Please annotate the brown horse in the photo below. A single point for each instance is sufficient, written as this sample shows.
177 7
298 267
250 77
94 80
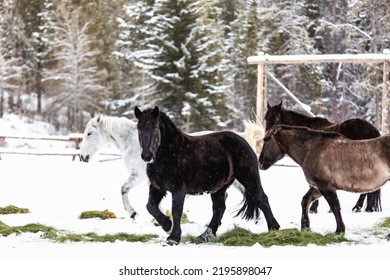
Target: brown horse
330 162
355 129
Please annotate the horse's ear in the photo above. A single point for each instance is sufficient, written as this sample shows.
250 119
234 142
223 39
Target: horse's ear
280 105
137 112
268 106
156 112
99 118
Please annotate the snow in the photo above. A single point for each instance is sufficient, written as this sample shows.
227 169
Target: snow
56 190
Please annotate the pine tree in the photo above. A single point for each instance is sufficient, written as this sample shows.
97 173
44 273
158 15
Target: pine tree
78 80
243 41
137 88
101 30
184 59
11 70
284 29
369 28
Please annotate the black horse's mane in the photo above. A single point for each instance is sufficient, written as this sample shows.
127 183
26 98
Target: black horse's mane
166 121
302 116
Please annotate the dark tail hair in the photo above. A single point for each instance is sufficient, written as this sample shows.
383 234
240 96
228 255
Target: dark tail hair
249 210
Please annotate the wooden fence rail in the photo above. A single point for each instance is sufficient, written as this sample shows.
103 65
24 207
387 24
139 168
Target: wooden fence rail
76 138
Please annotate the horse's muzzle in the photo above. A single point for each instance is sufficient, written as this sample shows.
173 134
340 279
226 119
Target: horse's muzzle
84 158
148 156
263 166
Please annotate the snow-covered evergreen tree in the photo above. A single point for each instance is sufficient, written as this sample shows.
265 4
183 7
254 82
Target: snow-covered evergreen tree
75 74
175 54
137 88
11 71
243 41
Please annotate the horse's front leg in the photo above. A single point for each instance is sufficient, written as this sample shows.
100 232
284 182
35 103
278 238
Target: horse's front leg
219 207
155 197
177 211
311 195
126 187
332 199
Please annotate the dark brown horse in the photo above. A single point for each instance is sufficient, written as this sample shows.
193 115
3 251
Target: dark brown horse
355 129
330 162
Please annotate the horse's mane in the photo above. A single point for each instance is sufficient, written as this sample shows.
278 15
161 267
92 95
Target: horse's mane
168 124
253 133
302 117
109 122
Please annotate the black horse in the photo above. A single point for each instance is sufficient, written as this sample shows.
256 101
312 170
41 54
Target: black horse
355 129
184 164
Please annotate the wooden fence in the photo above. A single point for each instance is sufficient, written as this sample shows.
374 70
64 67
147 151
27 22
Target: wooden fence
262 60
75 138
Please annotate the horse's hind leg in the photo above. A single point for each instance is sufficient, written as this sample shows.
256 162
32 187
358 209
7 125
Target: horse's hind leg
219 207
332 199
254 196
241 189
312 194
155 197
359 203
374 202
314 207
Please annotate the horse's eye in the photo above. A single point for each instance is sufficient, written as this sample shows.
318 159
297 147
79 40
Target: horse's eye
89 133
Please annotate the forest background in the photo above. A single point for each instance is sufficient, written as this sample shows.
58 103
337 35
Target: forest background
64 61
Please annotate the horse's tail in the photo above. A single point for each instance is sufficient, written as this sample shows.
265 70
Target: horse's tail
253 134
249 209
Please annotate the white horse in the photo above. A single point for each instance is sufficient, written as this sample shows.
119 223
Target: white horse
123 134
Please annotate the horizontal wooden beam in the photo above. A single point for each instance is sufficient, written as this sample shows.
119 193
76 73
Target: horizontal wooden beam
319 58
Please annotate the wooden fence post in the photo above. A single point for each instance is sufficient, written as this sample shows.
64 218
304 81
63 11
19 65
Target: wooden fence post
385 101
260 101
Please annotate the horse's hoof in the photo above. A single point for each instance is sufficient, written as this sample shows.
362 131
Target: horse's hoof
371 209
167 227
387 237
305 229
172 242
207 236
132 216
356 209
274 226
313 211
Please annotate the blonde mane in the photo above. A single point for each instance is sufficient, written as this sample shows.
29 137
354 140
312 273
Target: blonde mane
254 134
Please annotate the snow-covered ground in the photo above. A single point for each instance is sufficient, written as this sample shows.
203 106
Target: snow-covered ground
56 190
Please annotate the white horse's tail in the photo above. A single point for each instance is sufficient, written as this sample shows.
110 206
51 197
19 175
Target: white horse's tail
253 134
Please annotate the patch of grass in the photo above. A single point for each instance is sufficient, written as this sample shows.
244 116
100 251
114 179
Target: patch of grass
191 239
183 220
12 209
93 237
62 236
47 232
242 237
385 223
2 226
106 214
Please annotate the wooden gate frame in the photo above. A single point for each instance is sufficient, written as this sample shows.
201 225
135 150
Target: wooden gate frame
264 59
